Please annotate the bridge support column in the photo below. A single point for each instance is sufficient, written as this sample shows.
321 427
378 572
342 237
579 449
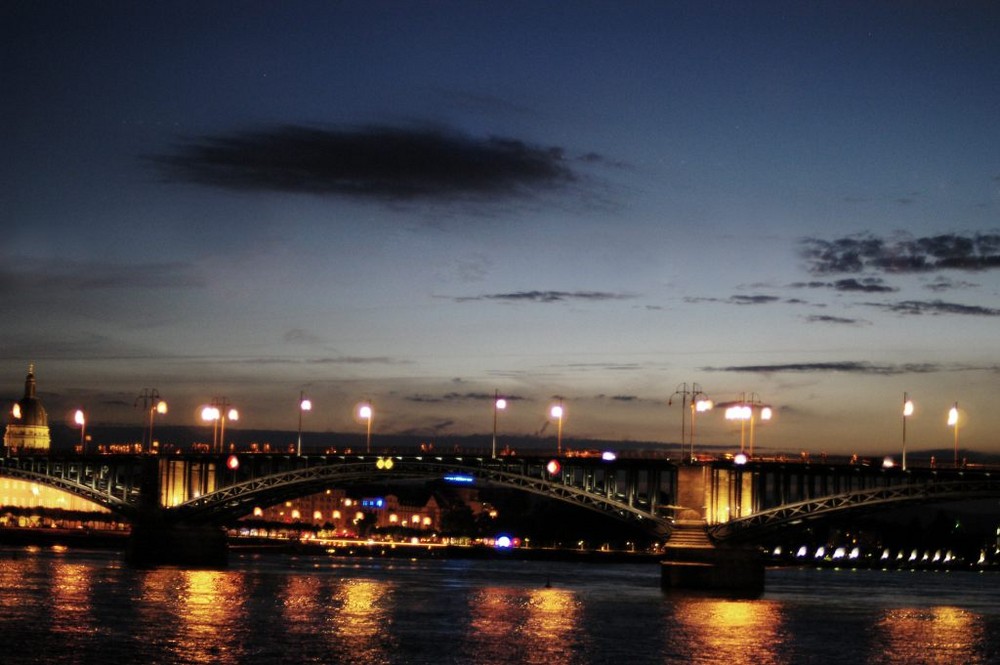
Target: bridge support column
692 562
157 542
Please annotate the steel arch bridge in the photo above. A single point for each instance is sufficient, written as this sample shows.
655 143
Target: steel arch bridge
215 489
800 514
576 484
739 504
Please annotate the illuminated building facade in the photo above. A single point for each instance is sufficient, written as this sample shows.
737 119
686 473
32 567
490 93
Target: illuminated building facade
343 513
28 424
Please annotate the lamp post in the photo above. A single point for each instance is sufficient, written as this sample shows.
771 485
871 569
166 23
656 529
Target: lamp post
304 405
218 412
366 413
953 421
700 406
499 404
81 420
151 405
744 411
907 412
698 401
558 412
683 391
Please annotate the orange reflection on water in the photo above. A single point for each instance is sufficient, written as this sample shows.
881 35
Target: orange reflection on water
552 613
539 624
930 635
208 607
359 617
71 597
300 601
726 631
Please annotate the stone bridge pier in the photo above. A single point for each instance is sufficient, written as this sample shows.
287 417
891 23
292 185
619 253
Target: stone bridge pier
159 539
691 561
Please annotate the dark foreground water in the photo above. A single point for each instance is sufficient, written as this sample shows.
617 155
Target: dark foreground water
88 607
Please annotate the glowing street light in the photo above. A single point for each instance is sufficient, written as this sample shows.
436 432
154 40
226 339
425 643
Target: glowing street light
558 412
698 406
744 411
151 405
953 422
907 412
499 404
366 413
81 420
304 405
217 413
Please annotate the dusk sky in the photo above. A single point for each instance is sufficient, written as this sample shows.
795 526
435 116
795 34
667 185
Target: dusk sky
422 203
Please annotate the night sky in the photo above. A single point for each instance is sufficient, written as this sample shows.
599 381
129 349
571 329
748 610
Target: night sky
422 203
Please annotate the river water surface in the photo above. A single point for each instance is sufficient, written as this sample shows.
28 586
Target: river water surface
89 607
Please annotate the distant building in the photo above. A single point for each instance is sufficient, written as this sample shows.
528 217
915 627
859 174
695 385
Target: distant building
27 424
334 509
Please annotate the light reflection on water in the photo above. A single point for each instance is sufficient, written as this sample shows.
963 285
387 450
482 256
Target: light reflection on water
85 607
942 635
536 625
71 591
198 613
726 631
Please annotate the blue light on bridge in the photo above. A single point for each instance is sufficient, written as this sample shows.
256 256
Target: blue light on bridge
459 478
504 542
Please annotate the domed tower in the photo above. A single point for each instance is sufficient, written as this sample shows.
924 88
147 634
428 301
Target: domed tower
28 424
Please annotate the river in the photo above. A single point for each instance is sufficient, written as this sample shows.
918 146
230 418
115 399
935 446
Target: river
89 607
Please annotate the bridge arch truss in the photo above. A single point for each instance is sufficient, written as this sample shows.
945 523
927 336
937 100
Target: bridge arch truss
617 492
764 522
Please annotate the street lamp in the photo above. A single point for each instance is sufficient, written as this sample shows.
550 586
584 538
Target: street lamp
151 405
304 405
907 412
499 404
81 420
366 413
740 412
218 412
953 422
700 406
557 412
698 402
744 410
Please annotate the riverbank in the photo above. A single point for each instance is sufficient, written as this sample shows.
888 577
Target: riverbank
436 551
117 540
77 538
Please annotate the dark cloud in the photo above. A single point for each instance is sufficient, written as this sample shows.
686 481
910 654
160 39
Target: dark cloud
753 300
737 300
453 397
372 162
869 285
821 318
942 283
935 307
433 429
865 285
854 254
547 296
299 336
848 367
620 398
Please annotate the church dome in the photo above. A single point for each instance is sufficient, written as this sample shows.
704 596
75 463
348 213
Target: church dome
27 424
28 411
